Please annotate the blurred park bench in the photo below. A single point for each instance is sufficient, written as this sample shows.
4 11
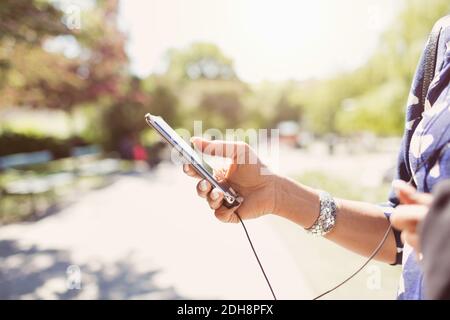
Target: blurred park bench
88 161
27 176
29 179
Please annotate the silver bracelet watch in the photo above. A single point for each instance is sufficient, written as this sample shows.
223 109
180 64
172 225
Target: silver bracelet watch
327 215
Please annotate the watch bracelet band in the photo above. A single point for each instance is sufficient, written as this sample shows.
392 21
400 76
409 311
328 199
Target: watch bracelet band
327 216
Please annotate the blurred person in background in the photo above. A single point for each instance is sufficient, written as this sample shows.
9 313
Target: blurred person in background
139 152
126 147
424 161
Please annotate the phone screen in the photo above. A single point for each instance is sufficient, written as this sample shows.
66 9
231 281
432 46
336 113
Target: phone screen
179 141
180 144
190 155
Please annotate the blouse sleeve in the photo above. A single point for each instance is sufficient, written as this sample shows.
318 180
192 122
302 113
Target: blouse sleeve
413 115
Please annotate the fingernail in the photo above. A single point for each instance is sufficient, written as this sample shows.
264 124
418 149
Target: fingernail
215 194
203 185
185 168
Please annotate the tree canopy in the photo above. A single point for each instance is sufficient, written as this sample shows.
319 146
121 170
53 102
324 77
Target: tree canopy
46 64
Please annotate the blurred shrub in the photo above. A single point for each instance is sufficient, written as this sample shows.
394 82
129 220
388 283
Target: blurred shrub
199 61
124 119
11 143
221 110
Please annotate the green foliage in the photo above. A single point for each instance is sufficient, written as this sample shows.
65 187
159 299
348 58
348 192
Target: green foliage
372 98
200 82
24 25
220 110
342 188
11 143
34 76
377 110
120 120
165 103
199 61
30 21
125 117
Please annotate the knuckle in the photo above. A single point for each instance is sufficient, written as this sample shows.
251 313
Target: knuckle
221 215
396 218
201 193
216 204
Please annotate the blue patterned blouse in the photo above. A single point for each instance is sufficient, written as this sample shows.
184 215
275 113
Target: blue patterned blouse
425 154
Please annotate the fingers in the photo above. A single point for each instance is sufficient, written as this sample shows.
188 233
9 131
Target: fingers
423 198
407 194
215 201
226 215
404 191
215 198
219 148
190 171
203 188
406 217
411 238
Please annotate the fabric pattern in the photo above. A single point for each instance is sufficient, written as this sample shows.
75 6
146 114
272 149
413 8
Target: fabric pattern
424 157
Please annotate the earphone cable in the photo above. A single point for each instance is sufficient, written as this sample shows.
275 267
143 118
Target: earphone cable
374 253
256 256
369 259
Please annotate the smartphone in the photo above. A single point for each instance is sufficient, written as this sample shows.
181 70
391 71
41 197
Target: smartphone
231 198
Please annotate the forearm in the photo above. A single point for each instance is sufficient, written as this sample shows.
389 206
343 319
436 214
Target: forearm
359 226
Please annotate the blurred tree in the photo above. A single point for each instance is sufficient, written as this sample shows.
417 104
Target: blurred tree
206 85
200 81
287 108
379 89
104 66
39 77
221 110
30 21
124 118
164 104
199 61
24 25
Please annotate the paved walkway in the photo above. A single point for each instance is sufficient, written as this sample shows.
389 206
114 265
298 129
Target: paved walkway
144 237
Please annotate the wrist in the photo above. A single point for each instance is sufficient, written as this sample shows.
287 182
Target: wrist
278 207
296 202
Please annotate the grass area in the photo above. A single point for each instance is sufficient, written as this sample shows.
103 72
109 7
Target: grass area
15 208
344 189
325 264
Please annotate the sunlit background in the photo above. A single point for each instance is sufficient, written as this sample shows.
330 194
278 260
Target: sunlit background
318 38
91 205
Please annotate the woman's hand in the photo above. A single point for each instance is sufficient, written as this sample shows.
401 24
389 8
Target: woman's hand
412 210
359 226
250 178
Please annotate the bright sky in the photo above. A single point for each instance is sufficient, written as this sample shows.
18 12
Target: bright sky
267 40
